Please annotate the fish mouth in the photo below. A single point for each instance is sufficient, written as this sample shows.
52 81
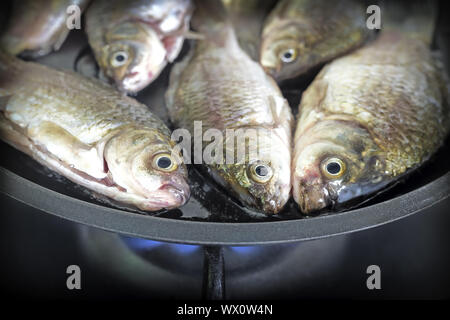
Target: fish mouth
181 193
277 201
272 204
168 196
313 201
132 82
312 198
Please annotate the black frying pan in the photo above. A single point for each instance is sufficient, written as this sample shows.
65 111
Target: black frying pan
211 217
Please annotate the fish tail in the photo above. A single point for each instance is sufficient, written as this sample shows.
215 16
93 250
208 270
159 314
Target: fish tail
415 18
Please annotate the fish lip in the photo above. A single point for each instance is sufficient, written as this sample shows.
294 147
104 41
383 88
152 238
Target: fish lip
133 89
171 196
140 85
308 207
181 192
313 198
278 200
272 205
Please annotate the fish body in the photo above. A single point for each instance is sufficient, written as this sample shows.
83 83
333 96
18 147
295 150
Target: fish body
247 17
368 119
91 134
134 40
221 86
301 34
37 27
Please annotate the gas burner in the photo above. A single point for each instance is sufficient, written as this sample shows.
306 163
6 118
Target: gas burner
173 257
194 271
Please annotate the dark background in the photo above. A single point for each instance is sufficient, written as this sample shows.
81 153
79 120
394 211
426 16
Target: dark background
413 254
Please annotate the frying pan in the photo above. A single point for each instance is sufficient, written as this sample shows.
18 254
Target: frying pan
211 217
433 195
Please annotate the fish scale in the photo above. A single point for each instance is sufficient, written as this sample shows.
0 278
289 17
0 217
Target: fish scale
311 32
220 85
91 134
146 34
390 98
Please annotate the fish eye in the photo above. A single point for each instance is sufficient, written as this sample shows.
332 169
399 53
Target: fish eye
164 162
119 58
333 168
288 55
260 172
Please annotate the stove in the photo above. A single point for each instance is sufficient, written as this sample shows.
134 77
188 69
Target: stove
37 248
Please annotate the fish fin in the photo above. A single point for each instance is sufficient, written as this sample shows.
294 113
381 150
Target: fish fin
417 21
67 148
173 45
174 80
276 105
193 35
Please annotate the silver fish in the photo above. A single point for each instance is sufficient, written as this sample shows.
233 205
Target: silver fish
301 34
134 40
368 119
221 86
37 27
91 134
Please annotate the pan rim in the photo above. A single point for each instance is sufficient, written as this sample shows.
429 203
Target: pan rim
222 233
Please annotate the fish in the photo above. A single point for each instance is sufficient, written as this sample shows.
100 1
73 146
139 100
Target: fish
37 27
299 35
247 17
134 40
91 134
368 120
219 85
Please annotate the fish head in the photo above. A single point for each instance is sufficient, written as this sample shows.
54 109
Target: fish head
145 164
133 56
284 51
337 164
261 178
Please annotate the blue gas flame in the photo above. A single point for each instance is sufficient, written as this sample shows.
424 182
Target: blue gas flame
245 249
145 244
